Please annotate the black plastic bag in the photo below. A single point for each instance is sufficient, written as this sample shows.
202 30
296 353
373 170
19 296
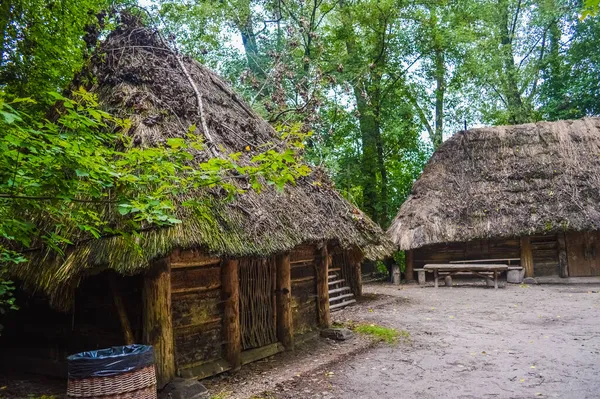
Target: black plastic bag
109 362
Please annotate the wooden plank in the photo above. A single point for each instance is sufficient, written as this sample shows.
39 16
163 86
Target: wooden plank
196 290
526 256
157 324
284 319
191 258
196 263
231 317
303 279
121 311
205 277
204 369
253 355
209 324
323 288
196 344
196 308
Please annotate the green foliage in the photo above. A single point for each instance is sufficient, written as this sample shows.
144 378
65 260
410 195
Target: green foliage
79 177
44 42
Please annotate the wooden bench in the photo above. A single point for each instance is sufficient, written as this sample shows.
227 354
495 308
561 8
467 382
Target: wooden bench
479 269
508 261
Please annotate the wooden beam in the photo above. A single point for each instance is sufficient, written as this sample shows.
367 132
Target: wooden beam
157 319
526 256
395 274
357 277
563 260
323 263
409 258
230 288
121 311
285 326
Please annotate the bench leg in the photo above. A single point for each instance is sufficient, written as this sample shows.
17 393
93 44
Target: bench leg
435 278
495 280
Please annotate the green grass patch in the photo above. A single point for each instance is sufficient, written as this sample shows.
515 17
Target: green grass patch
380 333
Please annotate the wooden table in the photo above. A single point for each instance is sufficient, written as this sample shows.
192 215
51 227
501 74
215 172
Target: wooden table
478 269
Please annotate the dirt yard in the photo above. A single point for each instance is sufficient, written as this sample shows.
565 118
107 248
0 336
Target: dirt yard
538 341
470 342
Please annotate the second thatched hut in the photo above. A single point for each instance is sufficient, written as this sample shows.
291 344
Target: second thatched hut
529 193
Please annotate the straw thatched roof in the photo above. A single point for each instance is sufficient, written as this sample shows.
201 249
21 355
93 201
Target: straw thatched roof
506 181
137 76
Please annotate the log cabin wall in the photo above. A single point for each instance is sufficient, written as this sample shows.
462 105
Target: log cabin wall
545 255
196 308
544 249
303 260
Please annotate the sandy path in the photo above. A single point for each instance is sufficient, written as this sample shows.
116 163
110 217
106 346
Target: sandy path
472 342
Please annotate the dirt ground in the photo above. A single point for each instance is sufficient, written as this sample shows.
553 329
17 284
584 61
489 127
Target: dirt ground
539 341
472 342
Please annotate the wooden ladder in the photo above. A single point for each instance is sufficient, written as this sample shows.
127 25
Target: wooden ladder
340 294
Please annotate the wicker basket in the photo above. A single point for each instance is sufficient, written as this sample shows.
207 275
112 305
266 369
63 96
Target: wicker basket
137 384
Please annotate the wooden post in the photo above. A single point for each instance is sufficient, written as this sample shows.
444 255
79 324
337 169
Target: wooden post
230 289
122 312
526 256
357 277
409 270
563 260
323 288
158 323
395 274
285 326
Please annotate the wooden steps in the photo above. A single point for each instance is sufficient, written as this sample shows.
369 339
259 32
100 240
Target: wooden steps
340 295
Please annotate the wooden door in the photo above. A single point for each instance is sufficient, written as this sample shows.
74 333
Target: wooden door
257 302
582 253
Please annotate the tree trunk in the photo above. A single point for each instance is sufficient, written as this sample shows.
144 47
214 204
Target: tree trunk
285 326
369 129
516 108
230 289
158 323
440 79
5 18
253 58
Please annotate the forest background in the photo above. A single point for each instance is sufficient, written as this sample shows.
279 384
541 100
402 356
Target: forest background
378 84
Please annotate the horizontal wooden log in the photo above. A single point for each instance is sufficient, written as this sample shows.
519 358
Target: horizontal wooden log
207 325
205 277
253 355
205 369
303 279
196 290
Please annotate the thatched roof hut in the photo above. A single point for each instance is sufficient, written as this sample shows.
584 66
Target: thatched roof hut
505 182
138 77
244 274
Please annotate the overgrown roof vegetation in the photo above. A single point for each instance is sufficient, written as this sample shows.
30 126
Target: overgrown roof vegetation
165 96
506 181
